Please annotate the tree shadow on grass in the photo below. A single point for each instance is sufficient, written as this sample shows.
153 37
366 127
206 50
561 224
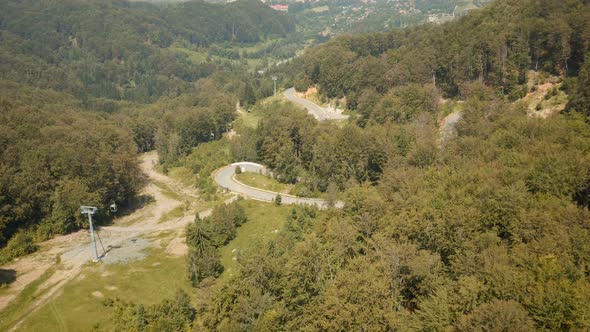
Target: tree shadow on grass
134 204
7 277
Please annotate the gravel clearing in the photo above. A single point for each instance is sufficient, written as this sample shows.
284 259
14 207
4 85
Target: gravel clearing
128 251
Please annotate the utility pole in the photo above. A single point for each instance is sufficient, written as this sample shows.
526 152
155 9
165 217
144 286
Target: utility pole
90 210
274 79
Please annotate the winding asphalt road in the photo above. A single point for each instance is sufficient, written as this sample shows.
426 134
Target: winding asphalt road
317 111
225 177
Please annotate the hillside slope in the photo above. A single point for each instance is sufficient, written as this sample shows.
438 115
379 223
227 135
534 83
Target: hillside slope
496 45
119 50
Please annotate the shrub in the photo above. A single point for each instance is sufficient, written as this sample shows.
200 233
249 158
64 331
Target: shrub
551 93
223 222
20 244
302 190
518 92
174 314
203 237
278 200
201 265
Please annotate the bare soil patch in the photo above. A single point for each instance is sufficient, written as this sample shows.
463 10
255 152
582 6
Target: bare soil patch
126 240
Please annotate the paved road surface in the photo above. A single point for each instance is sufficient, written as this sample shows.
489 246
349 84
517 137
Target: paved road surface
225 178
318 112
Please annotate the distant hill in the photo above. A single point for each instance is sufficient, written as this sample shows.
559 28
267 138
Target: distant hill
117 49
160 1
497 45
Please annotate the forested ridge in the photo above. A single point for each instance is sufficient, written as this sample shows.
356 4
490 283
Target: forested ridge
496 46
57 154
55 157
86 85
122 50
484 229
485 232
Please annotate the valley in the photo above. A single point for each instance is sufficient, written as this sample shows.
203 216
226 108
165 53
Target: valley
63 258
139 241
297 166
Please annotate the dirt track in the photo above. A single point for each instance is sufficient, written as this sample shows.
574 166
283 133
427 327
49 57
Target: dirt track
74 249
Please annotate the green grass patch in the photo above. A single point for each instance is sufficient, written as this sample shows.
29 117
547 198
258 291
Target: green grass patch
264 222
560 98
183 175
133 221
319 9
167 191
203 160
147 281
448 107
201 57
255 47
164 237
263 182
194 56
176 213
18 308
81 304
318 100
247 119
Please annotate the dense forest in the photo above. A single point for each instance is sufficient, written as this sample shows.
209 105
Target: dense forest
75 80
497 46
121 50
55 157
488 232
485 229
